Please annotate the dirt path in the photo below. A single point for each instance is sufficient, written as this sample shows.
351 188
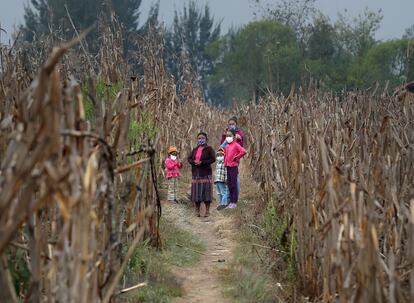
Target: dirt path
201 283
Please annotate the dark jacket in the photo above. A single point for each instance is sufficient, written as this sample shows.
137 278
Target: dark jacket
208 157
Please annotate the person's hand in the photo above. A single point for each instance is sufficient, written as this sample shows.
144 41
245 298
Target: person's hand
238 137
197 162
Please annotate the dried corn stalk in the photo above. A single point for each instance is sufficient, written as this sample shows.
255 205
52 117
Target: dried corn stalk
341 171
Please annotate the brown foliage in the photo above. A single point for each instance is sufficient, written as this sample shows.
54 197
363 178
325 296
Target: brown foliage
342 169
74 194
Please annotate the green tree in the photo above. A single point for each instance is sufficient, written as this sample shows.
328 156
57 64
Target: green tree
45 16
262 55
152 19
357 35
36 20
386 61
409 32
336 53
297 14
321 43
192 32
326 61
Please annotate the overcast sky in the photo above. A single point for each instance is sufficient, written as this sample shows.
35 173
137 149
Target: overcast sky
398 14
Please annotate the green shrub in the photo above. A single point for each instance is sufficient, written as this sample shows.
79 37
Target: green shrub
279 235
247 278
19 270
141 130
105 92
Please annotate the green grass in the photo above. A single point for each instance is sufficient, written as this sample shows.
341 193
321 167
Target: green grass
148 264
177 255
141 130
19 269
276 233
249 276
247 279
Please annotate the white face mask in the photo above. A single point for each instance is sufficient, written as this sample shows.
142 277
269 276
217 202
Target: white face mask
229 139
220 158
173 157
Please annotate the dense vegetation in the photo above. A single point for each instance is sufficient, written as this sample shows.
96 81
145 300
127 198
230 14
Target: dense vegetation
294 43
84 127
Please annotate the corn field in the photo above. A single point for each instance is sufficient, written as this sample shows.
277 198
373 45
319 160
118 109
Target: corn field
80 163
341 171
80 172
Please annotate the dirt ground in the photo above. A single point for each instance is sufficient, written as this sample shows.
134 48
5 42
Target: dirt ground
201 282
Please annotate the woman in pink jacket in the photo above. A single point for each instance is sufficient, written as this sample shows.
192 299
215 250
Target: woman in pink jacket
233 153
172 167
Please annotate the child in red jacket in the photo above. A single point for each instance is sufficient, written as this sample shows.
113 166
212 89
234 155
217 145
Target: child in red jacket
172 167
233 153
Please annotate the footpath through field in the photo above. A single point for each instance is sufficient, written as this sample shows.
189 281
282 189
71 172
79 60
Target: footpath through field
202 282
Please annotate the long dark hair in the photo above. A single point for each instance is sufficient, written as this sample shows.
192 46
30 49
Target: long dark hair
204 134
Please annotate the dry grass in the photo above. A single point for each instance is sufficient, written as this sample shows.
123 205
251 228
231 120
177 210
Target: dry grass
74 191
341 172
60 181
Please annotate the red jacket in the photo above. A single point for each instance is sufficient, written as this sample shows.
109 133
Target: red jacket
234 152
172 168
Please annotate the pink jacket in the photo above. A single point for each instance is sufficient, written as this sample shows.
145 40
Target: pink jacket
172 168
234 152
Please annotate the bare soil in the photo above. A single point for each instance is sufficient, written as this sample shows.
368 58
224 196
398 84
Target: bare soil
201 283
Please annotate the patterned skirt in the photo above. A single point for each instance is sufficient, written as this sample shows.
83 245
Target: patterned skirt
172 189
201 189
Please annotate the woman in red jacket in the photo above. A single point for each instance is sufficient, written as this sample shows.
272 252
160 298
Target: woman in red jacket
233 153
232 125
201 158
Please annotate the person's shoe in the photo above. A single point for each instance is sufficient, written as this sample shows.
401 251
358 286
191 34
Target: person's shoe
232 205
220 207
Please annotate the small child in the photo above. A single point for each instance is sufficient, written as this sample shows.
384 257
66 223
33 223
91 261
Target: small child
233 153
173 166
221 180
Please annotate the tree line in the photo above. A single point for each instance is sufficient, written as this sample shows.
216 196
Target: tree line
292 43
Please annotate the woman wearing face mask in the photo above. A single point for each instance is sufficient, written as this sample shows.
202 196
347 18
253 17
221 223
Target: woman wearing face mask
233 153
201 158
239 137
172 167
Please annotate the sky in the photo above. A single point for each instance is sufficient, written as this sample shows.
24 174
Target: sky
398 14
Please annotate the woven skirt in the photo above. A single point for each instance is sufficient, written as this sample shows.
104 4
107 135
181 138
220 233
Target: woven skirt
172 189
201 189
